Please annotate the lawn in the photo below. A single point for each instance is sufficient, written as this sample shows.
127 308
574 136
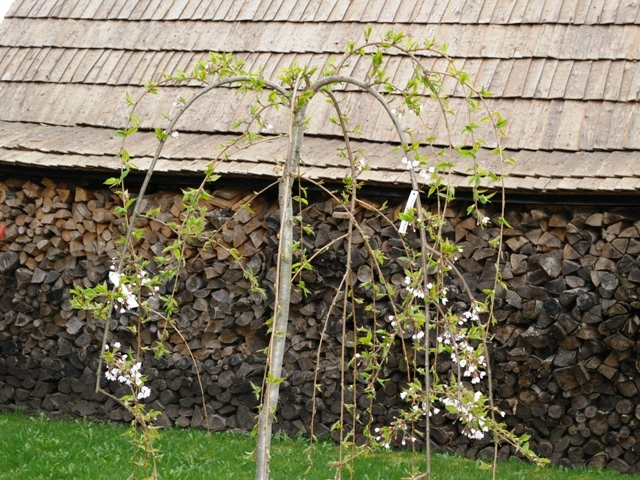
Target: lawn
38 448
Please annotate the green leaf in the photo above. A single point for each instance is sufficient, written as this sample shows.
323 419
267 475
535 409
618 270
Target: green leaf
161 134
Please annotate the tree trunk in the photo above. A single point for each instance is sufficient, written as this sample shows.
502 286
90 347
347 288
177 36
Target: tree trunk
281 314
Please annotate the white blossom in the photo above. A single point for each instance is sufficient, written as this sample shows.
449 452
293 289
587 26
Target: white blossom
418 335
144 392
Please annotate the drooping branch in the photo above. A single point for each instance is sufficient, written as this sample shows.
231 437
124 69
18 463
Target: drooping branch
150 170
334 79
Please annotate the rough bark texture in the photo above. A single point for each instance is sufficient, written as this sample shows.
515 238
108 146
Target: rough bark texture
565 352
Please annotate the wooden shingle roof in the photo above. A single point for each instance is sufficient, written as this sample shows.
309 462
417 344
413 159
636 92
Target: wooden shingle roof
565 73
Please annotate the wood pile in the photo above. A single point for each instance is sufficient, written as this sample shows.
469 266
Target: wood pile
565 350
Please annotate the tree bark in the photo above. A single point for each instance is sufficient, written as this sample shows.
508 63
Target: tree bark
281 314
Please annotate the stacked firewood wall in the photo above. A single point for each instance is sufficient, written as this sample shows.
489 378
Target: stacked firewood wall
565 350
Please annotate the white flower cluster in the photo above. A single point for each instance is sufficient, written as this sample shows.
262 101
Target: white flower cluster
428 173
416 292
410 164
470 315
474 427
128 300
473 365
267 128
485 221
130 375
360 165
397 112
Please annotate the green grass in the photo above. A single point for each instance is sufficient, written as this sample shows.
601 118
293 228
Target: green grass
38 448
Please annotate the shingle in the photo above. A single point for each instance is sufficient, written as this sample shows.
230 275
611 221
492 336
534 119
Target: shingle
550 126
612 87
609 10
597 41
174 12
233 11
35 66
356 10
567 12
522 41
90 58
105 73
189 10
388 11
77 8
627 184
20 8
289 10
542 36
438 10
517 12
405 12
272 10
200 9
46 8
555 46
595 10
502 11
585 164
338 11
66 8
533 12
5 53
601 139
512 34
486 72
544 84
500 77
492 41
578 79
421 12
597 81
372 11
126 10
516 78
322 10
590 125
551 11
621 117
487 11
570 184
57 71
569 126
581 11
13 62
532 77
210 9
541 183
157 9
137 11
628 42
92 6
627 11
630 82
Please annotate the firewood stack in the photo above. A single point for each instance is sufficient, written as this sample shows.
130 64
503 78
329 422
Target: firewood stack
565 365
